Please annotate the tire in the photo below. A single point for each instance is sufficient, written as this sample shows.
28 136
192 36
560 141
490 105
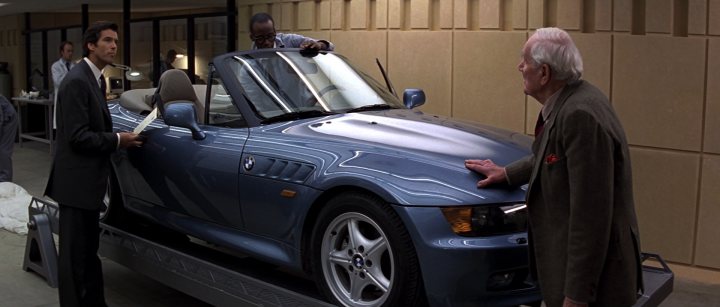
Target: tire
362 255
112 208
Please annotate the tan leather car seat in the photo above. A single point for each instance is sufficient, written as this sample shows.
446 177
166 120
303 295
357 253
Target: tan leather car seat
175 86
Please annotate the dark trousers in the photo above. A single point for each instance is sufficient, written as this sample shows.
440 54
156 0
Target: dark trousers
79 268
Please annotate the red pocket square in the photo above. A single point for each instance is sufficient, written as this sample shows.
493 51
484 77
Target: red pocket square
551 158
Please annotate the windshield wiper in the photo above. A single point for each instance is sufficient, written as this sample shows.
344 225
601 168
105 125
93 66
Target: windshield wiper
371 107
296 115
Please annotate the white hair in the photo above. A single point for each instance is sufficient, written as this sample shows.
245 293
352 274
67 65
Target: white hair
554 47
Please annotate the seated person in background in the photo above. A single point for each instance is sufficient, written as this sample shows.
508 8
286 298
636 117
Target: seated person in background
263 35
167 64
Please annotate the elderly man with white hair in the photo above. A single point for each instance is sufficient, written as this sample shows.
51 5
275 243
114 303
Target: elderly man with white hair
583 233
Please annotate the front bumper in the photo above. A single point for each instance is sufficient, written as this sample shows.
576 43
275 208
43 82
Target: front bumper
468 271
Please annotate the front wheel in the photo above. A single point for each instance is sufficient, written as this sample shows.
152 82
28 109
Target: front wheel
363 255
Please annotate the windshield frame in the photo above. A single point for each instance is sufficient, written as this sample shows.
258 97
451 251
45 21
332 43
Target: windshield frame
228 65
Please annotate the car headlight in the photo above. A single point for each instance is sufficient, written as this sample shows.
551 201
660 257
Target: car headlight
483 221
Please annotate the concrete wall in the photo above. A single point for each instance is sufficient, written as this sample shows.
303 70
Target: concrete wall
658 61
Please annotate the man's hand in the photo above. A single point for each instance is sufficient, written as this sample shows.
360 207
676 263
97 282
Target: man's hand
570 303
130 139
494 173
313 45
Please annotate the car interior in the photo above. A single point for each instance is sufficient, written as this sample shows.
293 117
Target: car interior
175 86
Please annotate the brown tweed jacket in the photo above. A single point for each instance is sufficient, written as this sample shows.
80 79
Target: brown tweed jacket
583 230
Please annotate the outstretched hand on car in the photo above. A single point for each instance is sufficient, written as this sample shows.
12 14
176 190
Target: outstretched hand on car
493 173
130 139
313 45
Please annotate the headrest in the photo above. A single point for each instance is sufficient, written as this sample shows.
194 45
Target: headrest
175 85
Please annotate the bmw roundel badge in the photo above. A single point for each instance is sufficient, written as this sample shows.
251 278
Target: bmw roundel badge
249 163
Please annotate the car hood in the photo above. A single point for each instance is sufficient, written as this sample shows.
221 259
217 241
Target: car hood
427 152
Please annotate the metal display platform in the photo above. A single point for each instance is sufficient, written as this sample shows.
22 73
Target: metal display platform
217 277
200 271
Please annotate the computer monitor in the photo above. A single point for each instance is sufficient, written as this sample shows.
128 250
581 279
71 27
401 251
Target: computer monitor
116 85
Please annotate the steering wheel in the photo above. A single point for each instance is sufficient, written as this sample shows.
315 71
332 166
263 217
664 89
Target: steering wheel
313 101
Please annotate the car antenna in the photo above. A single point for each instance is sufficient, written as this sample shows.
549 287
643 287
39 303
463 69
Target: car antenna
387 80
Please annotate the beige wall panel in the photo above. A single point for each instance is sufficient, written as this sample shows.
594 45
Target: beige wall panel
707 249
658 16
714 17
569 14
395 14
337 14
603 15
658 85
520 14
446 14
276 12
420 14
487 86
461 14
326 35
306 15
712 111
622 15
489 14
536 14
665 190
595 50
260 8
287 21
533 109
243 19
381 14
325 14
244 41
412 67
359 14
354 45
697 16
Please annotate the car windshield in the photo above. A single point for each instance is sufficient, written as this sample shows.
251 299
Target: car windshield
278 82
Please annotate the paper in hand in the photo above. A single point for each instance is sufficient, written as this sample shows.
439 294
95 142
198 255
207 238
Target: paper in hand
151 117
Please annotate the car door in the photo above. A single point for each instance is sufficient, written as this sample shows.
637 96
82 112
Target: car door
195 177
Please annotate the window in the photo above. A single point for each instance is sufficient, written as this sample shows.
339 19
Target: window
223 111
210 41
141 54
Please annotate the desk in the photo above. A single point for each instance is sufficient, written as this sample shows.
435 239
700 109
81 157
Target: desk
49 107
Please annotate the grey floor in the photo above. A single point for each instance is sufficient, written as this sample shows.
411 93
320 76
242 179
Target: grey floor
128 288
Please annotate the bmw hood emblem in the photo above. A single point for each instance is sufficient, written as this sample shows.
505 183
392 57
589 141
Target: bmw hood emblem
249 163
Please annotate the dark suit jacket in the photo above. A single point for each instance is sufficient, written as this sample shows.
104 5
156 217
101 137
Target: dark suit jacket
583 228
81 165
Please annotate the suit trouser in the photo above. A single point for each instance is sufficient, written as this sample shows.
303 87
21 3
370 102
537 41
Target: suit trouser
8 131
80 271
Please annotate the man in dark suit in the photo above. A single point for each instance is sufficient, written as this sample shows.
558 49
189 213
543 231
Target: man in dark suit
81 167
584 246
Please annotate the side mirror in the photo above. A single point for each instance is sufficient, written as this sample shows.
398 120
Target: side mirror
182 114
413 98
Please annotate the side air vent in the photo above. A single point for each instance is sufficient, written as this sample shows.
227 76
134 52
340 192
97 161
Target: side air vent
280 169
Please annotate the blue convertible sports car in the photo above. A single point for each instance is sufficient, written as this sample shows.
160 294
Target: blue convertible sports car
303 161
